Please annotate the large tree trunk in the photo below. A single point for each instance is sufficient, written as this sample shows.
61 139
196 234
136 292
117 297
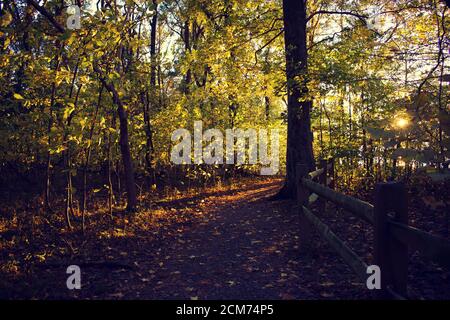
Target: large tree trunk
299 138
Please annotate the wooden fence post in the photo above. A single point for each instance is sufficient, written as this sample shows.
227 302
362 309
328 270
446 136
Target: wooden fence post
302 171
323 181
331 173
390 254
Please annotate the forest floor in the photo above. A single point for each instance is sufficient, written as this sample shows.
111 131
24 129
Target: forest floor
227 243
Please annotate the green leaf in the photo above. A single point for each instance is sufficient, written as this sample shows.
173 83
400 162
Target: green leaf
68 110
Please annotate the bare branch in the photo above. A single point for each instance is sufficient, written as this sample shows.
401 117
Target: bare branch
48 15
349 13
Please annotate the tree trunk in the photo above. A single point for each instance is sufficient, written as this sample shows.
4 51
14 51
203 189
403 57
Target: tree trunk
267 105
88 157
126 156
110 185
124 144
187 47
154 25
149 102
47 207
149 136
299 137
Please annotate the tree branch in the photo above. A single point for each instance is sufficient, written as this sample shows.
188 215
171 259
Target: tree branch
48 15
350 13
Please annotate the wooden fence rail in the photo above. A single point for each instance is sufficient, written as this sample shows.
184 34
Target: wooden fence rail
337 244
363 209
394 239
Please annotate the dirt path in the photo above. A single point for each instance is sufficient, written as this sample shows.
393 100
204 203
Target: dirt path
238 245
246 249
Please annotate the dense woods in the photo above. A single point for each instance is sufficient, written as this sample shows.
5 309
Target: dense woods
89 102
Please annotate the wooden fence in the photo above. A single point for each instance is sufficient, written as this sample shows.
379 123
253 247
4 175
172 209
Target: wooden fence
394 239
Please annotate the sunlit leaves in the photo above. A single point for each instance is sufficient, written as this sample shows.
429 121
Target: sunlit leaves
5 19
18 96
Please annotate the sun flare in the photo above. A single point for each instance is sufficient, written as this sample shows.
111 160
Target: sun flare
401 122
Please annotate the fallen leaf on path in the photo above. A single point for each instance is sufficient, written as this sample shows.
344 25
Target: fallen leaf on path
287 296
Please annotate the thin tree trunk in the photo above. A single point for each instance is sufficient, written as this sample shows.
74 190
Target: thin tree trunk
67 152
322 153
149 136
110 185
187 46
124 144
267 105
47 206
88 156
68 164
153 25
